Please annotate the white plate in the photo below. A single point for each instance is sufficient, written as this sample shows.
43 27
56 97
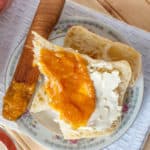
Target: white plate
39 128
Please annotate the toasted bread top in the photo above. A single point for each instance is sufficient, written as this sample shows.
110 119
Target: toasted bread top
98 47
125 75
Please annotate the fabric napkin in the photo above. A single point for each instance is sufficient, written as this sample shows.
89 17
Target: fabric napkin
14 24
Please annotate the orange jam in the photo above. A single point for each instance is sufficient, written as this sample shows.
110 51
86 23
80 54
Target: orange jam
69 86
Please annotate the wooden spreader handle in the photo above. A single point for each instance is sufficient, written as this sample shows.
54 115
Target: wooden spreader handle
25 77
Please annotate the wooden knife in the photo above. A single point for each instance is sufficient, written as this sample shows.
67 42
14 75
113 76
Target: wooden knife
21 89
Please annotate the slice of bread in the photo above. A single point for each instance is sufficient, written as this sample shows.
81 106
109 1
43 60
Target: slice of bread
98 47
41 98
125 76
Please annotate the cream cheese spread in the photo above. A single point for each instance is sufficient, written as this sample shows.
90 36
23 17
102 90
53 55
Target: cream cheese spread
107 108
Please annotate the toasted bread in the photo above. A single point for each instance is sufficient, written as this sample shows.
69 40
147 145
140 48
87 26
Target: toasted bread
41 97
98 47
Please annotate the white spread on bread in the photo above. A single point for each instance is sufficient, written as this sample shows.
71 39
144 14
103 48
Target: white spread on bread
107 108
106 80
